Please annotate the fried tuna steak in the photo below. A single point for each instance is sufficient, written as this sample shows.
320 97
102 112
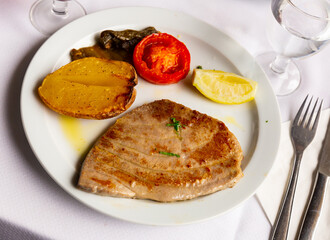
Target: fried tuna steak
163 151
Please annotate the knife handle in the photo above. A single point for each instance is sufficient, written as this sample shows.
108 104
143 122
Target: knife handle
314 208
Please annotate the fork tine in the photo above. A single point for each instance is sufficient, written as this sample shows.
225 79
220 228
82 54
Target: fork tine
306 111
312 114
296 119
317 117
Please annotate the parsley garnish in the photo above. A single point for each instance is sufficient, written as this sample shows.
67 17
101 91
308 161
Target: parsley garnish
169 154
176 124
199 67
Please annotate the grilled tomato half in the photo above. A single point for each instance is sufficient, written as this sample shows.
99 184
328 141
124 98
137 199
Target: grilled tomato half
160 58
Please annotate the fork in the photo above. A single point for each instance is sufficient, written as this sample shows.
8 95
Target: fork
302 133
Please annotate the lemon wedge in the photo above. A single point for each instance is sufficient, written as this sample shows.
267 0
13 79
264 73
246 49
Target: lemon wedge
224 87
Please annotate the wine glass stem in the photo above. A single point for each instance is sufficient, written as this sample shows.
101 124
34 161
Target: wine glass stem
279 64
60 7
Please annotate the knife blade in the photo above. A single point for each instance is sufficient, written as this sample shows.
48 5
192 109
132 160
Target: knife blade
316 200
324 164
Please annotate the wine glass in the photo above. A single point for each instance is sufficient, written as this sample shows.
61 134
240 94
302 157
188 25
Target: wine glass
298 28
49 15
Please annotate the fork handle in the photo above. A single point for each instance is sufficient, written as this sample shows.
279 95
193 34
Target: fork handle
314 208
281 226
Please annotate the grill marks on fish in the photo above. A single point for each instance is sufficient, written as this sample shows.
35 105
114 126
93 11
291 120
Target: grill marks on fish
125 161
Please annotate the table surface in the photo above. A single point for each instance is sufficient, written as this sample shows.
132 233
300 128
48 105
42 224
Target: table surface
33 206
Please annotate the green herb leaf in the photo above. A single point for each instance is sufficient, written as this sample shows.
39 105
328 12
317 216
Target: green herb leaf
176 124
169 154
199 67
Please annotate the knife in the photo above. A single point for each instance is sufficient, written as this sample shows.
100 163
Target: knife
316 200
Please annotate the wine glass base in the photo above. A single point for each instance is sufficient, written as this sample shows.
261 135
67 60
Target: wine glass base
46 21
283 83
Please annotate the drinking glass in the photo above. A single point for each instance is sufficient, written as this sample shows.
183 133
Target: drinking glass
49 15
298 28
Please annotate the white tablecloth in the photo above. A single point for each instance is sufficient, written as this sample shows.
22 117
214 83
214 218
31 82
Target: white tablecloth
33 206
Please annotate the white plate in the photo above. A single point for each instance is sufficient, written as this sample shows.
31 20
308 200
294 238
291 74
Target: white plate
256 124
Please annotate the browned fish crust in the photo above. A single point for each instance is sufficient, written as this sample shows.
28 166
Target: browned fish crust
143 156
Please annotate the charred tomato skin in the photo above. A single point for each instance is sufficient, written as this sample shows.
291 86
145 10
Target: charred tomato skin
160 58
